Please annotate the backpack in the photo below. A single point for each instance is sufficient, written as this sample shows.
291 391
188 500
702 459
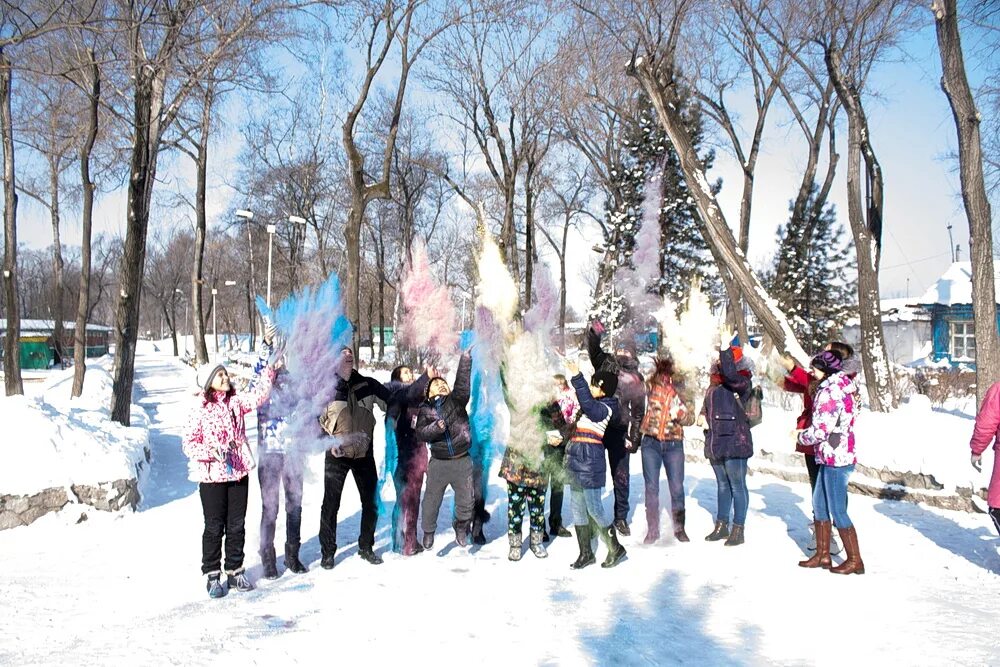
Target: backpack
753 408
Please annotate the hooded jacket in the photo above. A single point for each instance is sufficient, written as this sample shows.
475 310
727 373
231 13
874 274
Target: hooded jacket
443 422
585 451
631 392
728 432
215 439
832 428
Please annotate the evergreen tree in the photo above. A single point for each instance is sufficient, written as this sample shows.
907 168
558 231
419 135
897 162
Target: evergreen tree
812 277
684 254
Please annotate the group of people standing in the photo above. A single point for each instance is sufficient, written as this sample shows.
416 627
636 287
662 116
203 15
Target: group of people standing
591 426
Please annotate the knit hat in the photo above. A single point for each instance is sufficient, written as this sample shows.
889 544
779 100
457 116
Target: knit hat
828 362
608 382
206 372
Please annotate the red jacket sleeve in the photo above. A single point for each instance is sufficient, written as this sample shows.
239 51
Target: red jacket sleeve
987 421
797 381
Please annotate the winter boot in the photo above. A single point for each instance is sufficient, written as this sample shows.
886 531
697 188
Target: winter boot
268 562
586 556
616 552
368 554
238 580
515 546
559 530
214 585
477 529
721 531
736 536
428 542
621 525
328 561
536 546
652 525
679 533
853 564
462 533
292 561
822 556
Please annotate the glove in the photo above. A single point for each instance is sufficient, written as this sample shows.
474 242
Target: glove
977 462
270 330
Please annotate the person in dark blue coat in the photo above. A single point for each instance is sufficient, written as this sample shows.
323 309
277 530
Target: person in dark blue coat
585 465
728 444
410 464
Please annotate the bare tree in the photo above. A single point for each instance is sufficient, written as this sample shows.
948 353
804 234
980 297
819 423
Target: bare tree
165 276
955 84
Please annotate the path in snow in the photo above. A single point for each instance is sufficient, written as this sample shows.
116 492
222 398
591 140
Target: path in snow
127 587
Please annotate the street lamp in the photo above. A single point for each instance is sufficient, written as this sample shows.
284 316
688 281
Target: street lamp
215 324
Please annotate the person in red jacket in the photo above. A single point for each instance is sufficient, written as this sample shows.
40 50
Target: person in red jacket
987 431
799 381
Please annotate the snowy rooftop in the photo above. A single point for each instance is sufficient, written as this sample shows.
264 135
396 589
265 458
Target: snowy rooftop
897 310
49 325
953 287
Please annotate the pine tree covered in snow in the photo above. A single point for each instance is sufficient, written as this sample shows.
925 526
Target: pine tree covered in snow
684 254
816 288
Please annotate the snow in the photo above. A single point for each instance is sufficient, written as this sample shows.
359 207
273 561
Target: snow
54 441
953 287
126 587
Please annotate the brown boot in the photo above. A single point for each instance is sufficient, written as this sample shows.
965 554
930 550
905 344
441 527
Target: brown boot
853 564
822 556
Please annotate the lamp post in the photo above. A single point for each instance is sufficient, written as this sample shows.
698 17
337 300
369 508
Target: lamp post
215 323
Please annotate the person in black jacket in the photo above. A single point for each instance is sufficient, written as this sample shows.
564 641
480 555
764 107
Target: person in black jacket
350 416
411 456
623 435
585 464
443 423
728 443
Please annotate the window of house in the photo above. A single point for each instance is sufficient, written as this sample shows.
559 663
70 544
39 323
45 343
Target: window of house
963 341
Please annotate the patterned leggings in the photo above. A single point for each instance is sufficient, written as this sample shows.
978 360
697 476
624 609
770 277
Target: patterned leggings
517 496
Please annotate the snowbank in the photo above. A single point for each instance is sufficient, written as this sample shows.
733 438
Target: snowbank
62 449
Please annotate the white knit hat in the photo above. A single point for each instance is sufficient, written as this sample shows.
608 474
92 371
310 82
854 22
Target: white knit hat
206 372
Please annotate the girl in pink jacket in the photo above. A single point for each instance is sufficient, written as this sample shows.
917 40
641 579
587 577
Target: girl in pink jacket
219 459
987 431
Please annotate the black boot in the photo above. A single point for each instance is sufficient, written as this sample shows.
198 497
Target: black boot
736 536
621 525
328 561
586 556
720 532
616 552
477 530
368 554
679 533
292 561
558 530
462 533
268 562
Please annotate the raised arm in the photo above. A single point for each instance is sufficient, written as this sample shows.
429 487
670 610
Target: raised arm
593 408
257 393
597 355
462 391
731 377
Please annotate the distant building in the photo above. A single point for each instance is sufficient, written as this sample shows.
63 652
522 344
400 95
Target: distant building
949 303
38 349
907 331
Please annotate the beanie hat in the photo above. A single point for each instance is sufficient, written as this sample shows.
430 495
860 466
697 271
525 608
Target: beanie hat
206 372
828 362
608 382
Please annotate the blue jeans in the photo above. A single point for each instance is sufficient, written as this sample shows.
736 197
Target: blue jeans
830 496
588 501
670 455
731 478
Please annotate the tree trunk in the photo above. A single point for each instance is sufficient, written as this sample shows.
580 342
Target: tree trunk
83 305
352 281
148 98
508 238
529 236
562 287
58 335
200 229
955 84
867 232
718 235
12 336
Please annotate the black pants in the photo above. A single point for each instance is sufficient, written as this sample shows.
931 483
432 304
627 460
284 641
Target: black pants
478 491
556 472
224 505
812 468
273 472
995 515
366 479
614 442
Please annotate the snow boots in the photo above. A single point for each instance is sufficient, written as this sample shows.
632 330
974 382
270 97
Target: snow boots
616 552
292 561
214 586
369 555
329 559
586 556
238 579
462 533
268 562
822 556
621 525
679 533
515 546
721 532
535 544
735 536
853 564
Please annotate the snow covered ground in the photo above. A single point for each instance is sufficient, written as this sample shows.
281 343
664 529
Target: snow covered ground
126 587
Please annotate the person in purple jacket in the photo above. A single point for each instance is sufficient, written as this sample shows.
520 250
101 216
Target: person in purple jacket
987 431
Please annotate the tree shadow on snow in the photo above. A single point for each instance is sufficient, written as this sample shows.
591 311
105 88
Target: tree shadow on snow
671 629
780 502
947 534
